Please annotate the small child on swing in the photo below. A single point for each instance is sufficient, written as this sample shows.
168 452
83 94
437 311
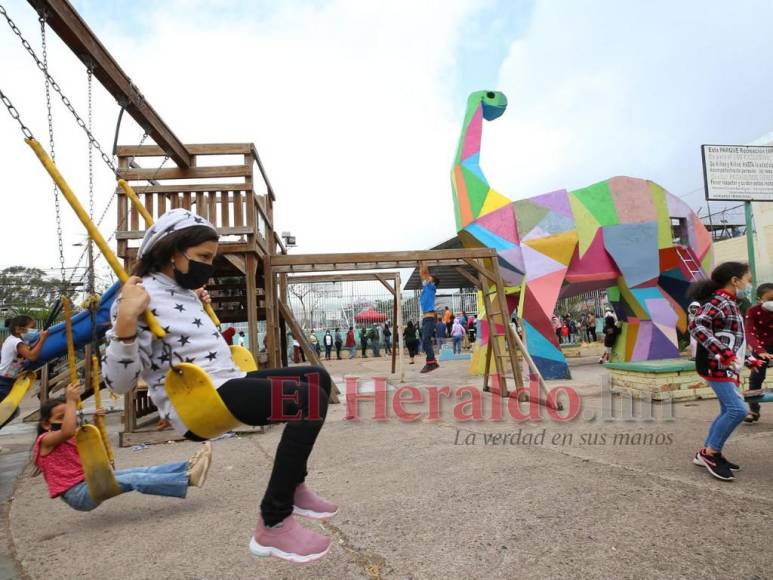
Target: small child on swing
56 455
23 344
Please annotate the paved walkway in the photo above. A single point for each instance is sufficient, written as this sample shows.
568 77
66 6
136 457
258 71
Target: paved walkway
591 499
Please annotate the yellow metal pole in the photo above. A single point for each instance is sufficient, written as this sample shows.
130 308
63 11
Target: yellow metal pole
94 234
132 195
67 307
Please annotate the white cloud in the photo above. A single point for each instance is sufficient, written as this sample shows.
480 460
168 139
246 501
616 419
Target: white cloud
602 88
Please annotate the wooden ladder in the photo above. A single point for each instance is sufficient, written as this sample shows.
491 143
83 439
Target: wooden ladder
504 352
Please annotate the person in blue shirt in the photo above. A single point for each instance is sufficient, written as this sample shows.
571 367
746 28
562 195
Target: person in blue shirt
427 304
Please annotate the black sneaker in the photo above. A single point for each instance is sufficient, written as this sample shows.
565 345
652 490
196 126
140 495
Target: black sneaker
730 464
716 466
429 367
751 417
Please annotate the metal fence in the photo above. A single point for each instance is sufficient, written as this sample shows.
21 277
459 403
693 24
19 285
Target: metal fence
329 305
593 301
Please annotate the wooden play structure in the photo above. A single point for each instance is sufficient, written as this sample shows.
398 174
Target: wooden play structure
227 184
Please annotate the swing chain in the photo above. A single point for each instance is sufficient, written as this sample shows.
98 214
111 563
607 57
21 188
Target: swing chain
102 218
15 114
54 85
169 353
42 19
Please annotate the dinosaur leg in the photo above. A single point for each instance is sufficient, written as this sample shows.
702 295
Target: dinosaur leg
538 306
649 322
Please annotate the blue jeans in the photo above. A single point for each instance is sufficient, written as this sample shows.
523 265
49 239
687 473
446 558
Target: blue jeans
352 352
732 411
170 480
458 344
427 328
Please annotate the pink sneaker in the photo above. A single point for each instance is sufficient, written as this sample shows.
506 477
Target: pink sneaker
308 504
291 542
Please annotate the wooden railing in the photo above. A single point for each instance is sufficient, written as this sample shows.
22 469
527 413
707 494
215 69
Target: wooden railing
234 208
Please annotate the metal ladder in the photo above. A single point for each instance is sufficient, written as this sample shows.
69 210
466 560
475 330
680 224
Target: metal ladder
688 259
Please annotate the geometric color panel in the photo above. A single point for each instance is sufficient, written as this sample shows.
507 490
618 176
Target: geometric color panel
634 248
528 215
500 222
598 200
559 247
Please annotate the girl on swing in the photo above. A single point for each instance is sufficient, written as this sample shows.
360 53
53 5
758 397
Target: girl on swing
174 263
17 349
56 455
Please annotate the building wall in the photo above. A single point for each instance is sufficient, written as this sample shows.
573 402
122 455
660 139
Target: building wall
735 248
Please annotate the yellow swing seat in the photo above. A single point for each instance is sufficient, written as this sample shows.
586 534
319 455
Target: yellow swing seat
100 477
243 359
19 390
196 401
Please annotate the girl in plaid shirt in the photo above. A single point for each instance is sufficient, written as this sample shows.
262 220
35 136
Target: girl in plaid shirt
718 329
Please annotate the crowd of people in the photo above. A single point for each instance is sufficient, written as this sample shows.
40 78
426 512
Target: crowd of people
569 331
378 340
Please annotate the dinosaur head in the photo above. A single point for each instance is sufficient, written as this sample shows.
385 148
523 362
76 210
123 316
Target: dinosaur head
494 103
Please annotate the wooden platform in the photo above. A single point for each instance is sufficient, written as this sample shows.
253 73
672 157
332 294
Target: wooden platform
668 379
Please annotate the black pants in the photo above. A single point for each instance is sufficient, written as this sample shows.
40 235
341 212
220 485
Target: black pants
364 346
328 349
250 400
592 333
338 350
756 379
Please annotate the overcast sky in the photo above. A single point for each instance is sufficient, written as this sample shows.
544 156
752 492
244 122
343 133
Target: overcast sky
356 105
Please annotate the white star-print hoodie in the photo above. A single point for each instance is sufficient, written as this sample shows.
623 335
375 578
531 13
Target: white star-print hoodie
192 335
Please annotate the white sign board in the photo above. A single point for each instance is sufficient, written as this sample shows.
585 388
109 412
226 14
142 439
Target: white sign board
738 172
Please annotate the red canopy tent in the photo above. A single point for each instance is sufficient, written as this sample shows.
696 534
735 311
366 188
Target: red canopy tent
370 315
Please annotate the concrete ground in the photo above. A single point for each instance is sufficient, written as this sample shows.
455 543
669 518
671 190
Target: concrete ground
439 499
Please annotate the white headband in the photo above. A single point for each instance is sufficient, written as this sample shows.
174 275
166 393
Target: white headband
172 221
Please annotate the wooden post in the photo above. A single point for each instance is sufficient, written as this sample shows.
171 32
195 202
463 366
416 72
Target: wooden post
44 383
251 263
395 327
398 330
281 325
270 301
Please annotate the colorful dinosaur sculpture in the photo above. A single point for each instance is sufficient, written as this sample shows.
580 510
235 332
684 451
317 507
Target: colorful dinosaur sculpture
628 235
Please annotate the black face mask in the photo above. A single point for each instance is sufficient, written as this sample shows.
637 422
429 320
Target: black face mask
197 275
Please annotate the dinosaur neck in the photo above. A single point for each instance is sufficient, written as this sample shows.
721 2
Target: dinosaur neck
469 184
469 140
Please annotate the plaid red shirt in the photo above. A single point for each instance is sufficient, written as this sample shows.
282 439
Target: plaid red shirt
718 329
759 329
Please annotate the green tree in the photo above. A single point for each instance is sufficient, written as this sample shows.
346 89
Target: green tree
27 291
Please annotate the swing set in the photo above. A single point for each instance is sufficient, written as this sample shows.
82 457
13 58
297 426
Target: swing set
188 386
